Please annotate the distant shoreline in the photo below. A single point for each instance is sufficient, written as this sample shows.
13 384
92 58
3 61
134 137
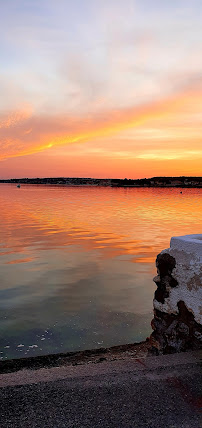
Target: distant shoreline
126 187
154 182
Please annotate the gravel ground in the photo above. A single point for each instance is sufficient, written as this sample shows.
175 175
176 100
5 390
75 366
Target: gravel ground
153 392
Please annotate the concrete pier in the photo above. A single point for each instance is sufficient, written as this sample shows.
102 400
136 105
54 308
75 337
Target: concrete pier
177 322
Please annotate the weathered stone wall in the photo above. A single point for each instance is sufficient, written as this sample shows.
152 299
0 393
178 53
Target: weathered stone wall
177 321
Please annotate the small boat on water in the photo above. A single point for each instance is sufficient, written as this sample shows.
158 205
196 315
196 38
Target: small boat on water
18 185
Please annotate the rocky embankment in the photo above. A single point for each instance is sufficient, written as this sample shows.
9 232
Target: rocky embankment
137 351
177 321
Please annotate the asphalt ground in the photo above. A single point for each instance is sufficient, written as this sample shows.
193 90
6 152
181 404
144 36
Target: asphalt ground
150 392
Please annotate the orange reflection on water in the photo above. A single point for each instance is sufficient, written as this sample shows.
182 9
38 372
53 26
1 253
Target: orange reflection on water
114 221
79 262
16 261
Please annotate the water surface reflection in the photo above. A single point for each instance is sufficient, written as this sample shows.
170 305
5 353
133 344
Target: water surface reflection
77 263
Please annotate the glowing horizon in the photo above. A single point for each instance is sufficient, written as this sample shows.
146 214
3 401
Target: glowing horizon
120 86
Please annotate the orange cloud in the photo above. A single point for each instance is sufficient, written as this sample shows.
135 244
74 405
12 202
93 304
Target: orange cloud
7 121
22 134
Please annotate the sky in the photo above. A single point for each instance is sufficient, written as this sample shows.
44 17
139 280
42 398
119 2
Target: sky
100 88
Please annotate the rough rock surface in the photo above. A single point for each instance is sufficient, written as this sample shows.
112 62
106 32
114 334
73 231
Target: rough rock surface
177 321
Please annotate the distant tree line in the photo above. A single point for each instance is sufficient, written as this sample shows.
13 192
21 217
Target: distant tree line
113 182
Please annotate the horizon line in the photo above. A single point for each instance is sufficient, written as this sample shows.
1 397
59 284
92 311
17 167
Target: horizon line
101 178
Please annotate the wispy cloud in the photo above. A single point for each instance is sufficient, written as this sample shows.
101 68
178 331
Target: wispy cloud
75 72
170 155
22 133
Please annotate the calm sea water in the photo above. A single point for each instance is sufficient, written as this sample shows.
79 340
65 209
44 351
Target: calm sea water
77 263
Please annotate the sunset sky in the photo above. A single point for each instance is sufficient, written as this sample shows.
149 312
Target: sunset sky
100 88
